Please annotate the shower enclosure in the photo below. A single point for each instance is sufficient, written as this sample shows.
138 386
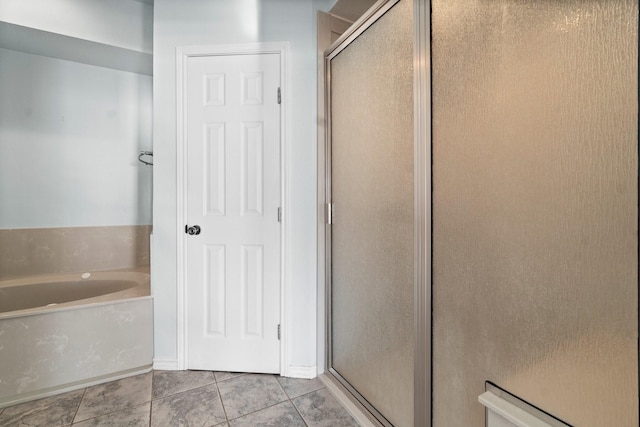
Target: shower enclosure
371 213
534 210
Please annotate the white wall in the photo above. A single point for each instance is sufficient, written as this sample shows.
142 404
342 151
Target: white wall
70 134
203 22
122 23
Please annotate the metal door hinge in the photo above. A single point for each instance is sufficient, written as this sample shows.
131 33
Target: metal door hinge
279 214
279 96
330 213
278 332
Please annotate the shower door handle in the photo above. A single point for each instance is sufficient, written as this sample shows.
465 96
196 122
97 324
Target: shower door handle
192 231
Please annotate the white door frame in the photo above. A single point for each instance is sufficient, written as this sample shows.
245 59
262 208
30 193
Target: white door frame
183 53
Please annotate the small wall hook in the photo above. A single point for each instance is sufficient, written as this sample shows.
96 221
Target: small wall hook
146 153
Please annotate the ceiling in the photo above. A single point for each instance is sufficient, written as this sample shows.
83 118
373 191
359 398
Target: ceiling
351 10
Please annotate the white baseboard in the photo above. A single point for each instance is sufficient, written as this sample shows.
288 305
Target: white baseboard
165 364
306 372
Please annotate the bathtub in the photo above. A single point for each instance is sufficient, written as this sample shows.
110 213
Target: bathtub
64 332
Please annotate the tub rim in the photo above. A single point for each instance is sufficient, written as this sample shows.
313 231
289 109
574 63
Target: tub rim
140 291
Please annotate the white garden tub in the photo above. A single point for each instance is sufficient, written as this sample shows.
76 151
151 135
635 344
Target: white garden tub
63 332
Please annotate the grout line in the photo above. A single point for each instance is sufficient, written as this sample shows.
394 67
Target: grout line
258 410
298 411
293 403
224 410
75 414
153 379
266 407
309 392
282 388
127 408
180 392
151 404
214 383
238 375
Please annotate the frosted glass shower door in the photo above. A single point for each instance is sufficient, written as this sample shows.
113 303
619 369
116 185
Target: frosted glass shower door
371 100
535 208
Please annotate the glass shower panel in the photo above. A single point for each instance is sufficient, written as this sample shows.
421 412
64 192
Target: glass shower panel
372 231
535 169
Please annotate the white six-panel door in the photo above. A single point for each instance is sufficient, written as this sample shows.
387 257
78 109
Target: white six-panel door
233 194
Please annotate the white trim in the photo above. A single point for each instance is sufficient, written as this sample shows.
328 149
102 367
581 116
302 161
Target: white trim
510 412
165 364
306 372
285 232
181 64
182 55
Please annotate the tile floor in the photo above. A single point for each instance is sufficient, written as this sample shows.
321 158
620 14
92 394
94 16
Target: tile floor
187 398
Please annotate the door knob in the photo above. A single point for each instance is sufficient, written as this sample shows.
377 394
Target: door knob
191 231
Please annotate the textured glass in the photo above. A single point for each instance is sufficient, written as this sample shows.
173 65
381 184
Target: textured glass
372 235
535 167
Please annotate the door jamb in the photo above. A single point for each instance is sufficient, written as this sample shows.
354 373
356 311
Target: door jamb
183 53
